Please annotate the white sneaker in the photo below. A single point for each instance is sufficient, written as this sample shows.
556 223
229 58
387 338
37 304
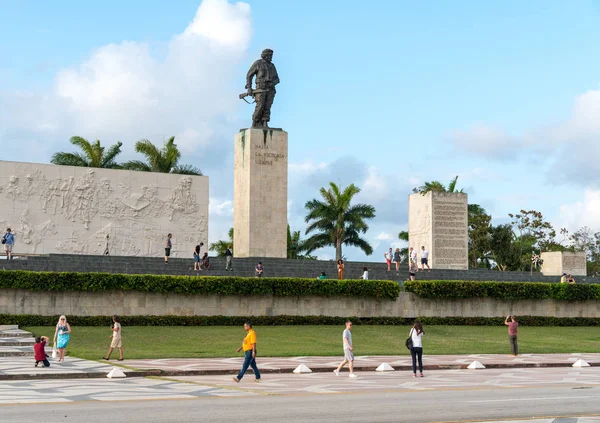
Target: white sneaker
335 372
353 376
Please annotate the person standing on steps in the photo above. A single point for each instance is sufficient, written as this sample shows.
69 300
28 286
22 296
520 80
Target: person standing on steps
348 351
8 239
249 347
511 322
424 259
115 339
197 265
228 259
397 259
389 256
416 351
340 268
168 246
412 262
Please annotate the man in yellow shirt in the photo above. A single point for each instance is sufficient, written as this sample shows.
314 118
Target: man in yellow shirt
249 347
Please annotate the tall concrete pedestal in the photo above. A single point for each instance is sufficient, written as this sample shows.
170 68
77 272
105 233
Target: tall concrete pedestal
260 193
439 222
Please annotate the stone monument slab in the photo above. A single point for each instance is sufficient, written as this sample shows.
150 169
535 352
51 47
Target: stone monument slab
65 209
439 221
260 193
556 263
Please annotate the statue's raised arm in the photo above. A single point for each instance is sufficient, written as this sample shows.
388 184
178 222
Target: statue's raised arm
265 75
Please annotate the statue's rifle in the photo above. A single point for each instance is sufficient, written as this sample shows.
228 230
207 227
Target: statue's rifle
251 94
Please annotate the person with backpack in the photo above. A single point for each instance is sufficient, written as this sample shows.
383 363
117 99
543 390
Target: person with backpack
8 239
416 347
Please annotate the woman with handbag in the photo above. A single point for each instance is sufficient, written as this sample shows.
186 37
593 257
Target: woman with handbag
416 347
62 336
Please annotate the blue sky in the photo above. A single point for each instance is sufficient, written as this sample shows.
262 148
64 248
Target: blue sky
383 94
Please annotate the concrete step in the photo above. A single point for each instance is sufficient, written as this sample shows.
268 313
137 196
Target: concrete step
9 327
14 333
17 342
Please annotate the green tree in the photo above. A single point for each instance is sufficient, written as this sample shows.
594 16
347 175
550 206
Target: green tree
589 242
295 246
403 236
479 236
532 233
91 155
437 186
505 252
336 222
164 160
221 246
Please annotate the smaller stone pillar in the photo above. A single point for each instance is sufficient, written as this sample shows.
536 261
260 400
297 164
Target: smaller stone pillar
556 263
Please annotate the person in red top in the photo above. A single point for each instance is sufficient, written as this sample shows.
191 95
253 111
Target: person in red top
511 322
40 352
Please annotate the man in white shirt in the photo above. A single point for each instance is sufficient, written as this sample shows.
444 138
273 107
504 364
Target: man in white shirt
348 351
388 258
424 259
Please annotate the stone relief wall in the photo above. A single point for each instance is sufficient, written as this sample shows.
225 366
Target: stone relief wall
64 209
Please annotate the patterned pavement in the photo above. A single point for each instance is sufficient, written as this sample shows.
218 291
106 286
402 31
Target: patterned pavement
63 391
185 387
364 362
285 384
552 420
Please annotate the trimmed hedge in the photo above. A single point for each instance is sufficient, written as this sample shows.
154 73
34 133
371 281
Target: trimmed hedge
24 320
195 285
503 290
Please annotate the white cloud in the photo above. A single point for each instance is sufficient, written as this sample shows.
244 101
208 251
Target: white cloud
384 236
487 141
582 213
218 207
132 90
567 151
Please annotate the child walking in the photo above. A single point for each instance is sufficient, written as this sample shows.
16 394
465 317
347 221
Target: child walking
116 339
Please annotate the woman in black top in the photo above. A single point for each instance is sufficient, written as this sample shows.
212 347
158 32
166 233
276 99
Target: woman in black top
397 259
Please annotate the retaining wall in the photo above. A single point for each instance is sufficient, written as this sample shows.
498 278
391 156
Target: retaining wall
128 303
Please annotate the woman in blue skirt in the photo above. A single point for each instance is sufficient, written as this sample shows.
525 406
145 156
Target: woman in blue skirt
62 337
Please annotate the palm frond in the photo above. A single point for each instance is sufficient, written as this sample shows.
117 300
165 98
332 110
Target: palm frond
108 159
186 170
137 165
69 159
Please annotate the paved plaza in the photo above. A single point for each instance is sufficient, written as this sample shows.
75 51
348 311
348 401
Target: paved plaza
441 396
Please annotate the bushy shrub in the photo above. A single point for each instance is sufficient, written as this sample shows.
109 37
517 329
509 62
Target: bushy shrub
503 290
24 320
195 285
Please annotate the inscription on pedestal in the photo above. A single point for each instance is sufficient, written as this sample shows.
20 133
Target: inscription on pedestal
439 221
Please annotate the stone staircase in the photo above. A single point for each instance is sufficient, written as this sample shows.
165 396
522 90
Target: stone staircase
15 342
244 267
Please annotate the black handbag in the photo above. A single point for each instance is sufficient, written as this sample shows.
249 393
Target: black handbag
409 343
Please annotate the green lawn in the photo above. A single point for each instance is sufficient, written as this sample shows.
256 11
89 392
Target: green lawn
222 341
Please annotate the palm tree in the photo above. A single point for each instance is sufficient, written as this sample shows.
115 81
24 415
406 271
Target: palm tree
221 246
92 155
437 186
336 222
403 236
164 160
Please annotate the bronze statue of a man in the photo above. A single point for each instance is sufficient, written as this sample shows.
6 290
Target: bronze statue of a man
264 93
